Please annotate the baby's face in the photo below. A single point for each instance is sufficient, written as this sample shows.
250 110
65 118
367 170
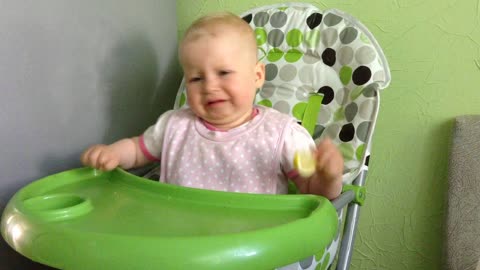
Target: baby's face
222 76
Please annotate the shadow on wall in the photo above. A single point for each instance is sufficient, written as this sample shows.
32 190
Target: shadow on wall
136 91
137 95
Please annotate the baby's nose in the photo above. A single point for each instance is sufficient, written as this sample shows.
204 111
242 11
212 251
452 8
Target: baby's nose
211 84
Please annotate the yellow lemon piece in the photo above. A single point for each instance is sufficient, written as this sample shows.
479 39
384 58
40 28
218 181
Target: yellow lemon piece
304 162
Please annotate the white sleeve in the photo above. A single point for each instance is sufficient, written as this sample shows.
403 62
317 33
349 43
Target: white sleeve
151 141
296 138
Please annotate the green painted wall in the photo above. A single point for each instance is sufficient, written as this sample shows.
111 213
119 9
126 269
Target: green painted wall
433 47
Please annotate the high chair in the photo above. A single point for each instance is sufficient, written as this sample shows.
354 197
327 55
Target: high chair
322 67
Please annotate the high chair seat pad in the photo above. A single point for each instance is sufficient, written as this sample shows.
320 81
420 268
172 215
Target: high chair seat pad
85 219
308 51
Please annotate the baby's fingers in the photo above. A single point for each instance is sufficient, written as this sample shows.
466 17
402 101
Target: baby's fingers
110 165
329 159
325 150
90 156
106 161
333 168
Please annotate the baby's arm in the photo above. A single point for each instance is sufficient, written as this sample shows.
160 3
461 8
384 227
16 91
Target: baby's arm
327 179
125 153
131 152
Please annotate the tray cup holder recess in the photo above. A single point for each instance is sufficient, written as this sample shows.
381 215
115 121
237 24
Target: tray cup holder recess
57 207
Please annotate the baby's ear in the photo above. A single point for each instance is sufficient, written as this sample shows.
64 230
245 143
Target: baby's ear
259 74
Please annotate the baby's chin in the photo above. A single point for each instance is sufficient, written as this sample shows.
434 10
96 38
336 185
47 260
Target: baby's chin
225 123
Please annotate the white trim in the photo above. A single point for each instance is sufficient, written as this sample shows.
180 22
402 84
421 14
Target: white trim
179 94
287 4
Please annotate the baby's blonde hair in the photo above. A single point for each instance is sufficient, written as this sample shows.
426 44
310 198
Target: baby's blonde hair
218 23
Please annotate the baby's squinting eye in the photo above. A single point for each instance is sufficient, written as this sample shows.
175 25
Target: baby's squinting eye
195 79
224 72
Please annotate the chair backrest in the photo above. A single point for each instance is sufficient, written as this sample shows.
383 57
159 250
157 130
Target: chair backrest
307 51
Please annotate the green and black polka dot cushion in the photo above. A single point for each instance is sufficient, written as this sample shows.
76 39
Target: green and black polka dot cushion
306 50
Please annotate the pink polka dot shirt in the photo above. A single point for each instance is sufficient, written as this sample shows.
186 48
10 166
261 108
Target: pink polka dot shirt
255 157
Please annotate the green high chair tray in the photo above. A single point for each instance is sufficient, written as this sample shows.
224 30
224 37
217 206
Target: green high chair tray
86 219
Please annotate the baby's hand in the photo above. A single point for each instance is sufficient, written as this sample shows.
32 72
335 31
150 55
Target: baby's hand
100 157
329 161
320 171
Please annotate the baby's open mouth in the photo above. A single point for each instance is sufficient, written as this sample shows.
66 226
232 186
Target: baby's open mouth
215 102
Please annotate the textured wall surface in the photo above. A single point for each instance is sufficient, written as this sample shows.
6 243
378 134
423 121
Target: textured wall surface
434 52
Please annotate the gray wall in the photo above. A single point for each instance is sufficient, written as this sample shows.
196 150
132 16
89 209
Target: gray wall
74 73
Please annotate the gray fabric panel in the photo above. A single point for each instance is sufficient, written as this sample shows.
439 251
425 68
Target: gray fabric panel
462 243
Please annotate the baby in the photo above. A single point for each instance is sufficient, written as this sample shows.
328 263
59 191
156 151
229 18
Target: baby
223 141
